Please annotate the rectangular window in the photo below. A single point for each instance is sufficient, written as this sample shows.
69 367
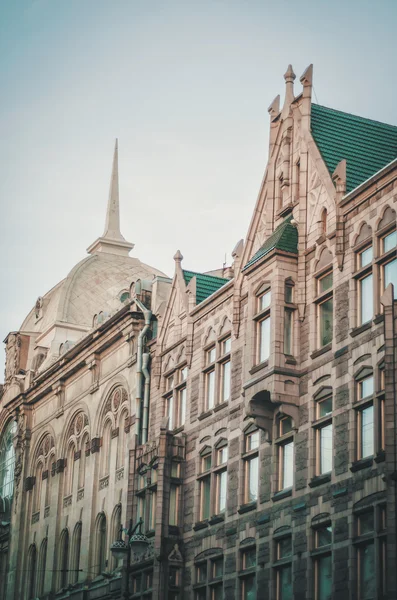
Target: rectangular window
210 389
206 462
217 568
174 505
251 479
325 282
365 432
205 498
366 256
264 339
367 571
390 241
252 440
201 594
286 465
222 454
288 293
324 435
288 322
366 387
326 311
265 300
221 487
216 592
170 411
285 425
181 406
248 587
324 407
323 577
390 273
152 510
201 573
284 572
210 356
225 381
226 346
248 558
141 508
366 299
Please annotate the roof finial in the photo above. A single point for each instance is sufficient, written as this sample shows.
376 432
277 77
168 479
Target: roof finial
112 240
289 77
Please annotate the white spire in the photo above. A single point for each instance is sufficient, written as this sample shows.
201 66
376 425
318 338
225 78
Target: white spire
112 240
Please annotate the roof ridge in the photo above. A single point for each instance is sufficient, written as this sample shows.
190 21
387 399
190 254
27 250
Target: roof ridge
358 117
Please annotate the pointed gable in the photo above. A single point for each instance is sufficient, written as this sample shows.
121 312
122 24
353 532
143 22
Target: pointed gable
367 145
284 238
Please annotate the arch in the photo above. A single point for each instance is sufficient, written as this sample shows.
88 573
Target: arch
364 234
283 530
226 326
388 218
325 259
31 573
219 432
370 500
47 500
362 358
207 553
105 402
209 337
115 532
76 424
7 460
43 447
323 392
100 544
63 559
248 541
41 568
75 554
181 356
321 379
321 518
169 364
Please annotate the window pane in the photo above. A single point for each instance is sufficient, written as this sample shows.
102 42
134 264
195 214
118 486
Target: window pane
264 339
324 407
287 332
252 441
210 356
285 583
323 536
367 300
249 558
288 293
201 594
222 455
390 241
175 469
221 491
366 387
174 494
226 381
170 412
367 572
202 573
227 344
326 449
367 431
324 578
206 462
217 568
288 465
252 479
264 301
217 592
249 588
205 498
182 406
183 374
210 389
326 315
366 256
152 510
285 425
390 273
285 548
325 283
366 522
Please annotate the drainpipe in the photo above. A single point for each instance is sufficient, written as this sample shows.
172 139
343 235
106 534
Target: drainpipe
145 415
139 361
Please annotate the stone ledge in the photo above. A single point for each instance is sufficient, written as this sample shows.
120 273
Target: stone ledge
341 351
244 508
221 405
259 367
357 330
361 464
321 351
380 456
379 319
319 480
204 415
200 525
216 519
282 494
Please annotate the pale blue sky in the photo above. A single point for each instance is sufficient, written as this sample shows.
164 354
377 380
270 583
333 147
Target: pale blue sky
185 87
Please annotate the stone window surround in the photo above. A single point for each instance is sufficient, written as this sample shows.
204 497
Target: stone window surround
245 572
278 563
260 315
323 394
209 582
319 299
279 442
246 456
175 392
318 552
376 537
147 494
215 366
212 475
290 307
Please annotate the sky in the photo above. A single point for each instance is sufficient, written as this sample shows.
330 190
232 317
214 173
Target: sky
185 87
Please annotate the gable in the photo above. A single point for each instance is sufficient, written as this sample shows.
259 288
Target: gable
284 237
367 145
205 284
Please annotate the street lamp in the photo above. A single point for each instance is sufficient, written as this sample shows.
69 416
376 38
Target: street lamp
137 542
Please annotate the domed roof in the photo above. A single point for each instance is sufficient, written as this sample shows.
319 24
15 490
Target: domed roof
96 282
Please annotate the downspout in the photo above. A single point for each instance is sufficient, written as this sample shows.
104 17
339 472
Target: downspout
139 362
145 415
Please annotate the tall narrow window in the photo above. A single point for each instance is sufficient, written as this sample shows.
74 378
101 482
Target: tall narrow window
210 379
82 461
205 485
41 570
366 299
251 465
31 573
7 460
325 308
283 568
324 216
106 449
63 559
323 431
263 321
169 401
225 370
323 562
389 268
365 431
37 488
285 447
75 554
288 328
181 397
220 471
101 548
121 440
248 576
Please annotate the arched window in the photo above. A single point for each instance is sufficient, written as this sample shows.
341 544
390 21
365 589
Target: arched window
106 443
69 470
7 460
75 554
37 488
31 572
121 445
101 549
116 524
41 568
63 559
50 461
82 462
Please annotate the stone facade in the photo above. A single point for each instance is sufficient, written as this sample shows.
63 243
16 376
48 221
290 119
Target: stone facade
268 465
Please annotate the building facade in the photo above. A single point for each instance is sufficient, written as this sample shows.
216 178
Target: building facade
246 415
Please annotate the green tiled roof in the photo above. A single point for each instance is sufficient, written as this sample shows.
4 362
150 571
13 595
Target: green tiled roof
367 145
285 237
205 284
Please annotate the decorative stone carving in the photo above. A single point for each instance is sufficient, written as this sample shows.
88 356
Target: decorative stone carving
46 512
67 501
35 517
38 309
13 350
104 482
120 474
80 494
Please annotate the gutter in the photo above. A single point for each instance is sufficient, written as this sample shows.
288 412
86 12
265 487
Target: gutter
141 369
146 395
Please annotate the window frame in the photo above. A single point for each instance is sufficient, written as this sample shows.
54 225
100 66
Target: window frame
377 538
320 552
262 315
175 396
250 454
282 440
321 297
319 423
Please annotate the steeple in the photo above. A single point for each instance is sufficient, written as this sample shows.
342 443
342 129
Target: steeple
112 241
